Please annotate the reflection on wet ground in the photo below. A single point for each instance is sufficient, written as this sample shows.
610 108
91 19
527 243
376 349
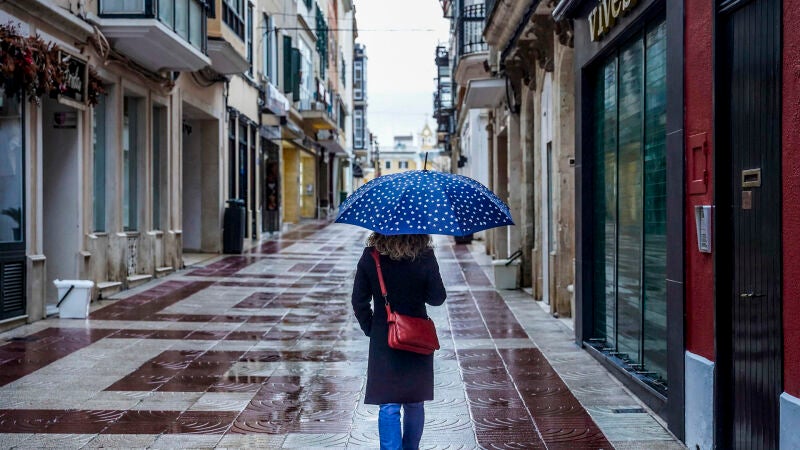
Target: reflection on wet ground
262 350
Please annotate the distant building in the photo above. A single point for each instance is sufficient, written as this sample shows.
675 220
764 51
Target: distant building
361 136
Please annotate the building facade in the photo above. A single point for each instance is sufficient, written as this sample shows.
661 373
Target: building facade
362 148
629 282
510 124
148 149
684 214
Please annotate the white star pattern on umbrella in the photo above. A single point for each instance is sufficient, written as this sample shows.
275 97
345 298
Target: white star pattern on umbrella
424 202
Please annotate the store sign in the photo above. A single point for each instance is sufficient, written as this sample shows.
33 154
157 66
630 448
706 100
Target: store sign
74 78
604 16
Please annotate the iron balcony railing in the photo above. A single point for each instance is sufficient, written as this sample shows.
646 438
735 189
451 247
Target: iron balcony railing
470 25
187 18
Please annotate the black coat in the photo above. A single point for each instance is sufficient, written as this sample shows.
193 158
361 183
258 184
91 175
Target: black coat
396 376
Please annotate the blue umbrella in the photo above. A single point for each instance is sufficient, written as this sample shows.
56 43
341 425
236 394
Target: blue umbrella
424 202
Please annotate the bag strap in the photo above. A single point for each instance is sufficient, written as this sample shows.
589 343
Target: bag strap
377 258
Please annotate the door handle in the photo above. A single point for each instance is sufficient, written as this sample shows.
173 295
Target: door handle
750 295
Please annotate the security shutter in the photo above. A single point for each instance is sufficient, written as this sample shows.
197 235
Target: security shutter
12 289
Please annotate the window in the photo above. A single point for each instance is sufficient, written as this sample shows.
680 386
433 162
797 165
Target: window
242 172
232 156
388 164
252 176
358 93
551 220
306 75
187 18
268 56
122 7
629 236
197 23
181 18
358 128
233 16
99 156
130 163
249 38
12 219
159 160
402 165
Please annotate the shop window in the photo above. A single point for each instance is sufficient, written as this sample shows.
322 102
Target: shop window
99 157
629 264
11 170
388 164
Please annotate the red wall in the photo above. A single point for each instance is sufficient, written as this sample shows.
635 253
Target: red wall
791 195
698 85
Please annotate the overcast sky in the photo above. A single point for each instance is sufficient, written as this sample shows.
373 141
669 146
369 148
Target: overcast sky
400 71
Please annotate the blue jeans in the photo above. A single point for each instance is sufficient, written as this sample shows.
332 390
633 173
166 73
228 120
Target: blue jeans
389 425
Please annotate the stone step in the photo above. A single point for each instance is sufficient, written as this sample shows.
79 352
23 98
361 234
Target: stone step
164 271
107 288
138 280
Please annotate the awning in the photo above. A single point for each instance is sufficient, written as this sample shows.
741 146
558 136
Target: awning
484 93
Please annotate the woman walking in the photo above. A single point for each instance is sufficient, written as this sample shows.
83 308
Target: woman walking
395 378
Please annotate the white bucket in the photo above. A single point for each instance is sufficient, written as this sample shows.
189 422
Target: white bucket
74 297
506 276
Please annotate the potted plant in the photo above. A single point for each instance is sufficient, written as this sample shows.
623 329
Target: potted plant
16 215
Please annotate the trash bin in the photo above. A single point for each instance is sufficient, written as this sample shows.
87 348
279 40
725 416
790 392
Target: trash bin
73 298
233 226
506 272
466 239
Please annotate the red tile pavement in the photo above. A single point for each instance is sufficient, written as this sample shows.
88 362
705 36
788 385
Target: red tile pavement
513 396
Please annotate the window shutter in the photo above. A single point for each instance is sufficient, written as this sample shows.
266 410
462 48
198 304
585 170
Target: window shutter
296 60
288 82
12 289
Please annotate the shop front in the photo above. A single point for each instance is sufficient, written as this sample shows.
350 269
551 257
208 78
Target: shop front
12 208
629 293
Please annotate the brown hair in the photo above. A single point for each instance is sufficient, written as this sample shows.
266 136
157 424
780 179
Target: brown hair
401 246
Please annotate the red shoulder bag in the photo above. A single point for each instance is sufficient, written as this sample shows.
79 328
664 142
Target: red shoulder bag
412 334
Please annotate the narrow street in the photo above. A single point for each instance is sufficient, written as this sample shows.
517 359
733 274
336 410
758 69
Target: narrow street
262 350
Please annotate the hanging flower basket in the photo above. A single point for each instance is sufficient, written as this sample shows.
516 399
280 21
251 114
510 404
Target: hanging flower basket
32 68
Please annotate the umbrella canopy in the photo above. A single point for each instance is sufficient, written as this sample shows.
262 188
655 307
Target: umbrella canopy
424 202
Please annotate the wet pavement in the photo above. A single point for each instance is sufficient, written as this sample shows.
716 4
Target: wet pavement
261 350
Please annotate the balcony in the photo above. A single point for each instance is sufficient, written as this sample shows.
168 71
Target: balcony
318 109
146 30
471 49
226 46
316 116
274 102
